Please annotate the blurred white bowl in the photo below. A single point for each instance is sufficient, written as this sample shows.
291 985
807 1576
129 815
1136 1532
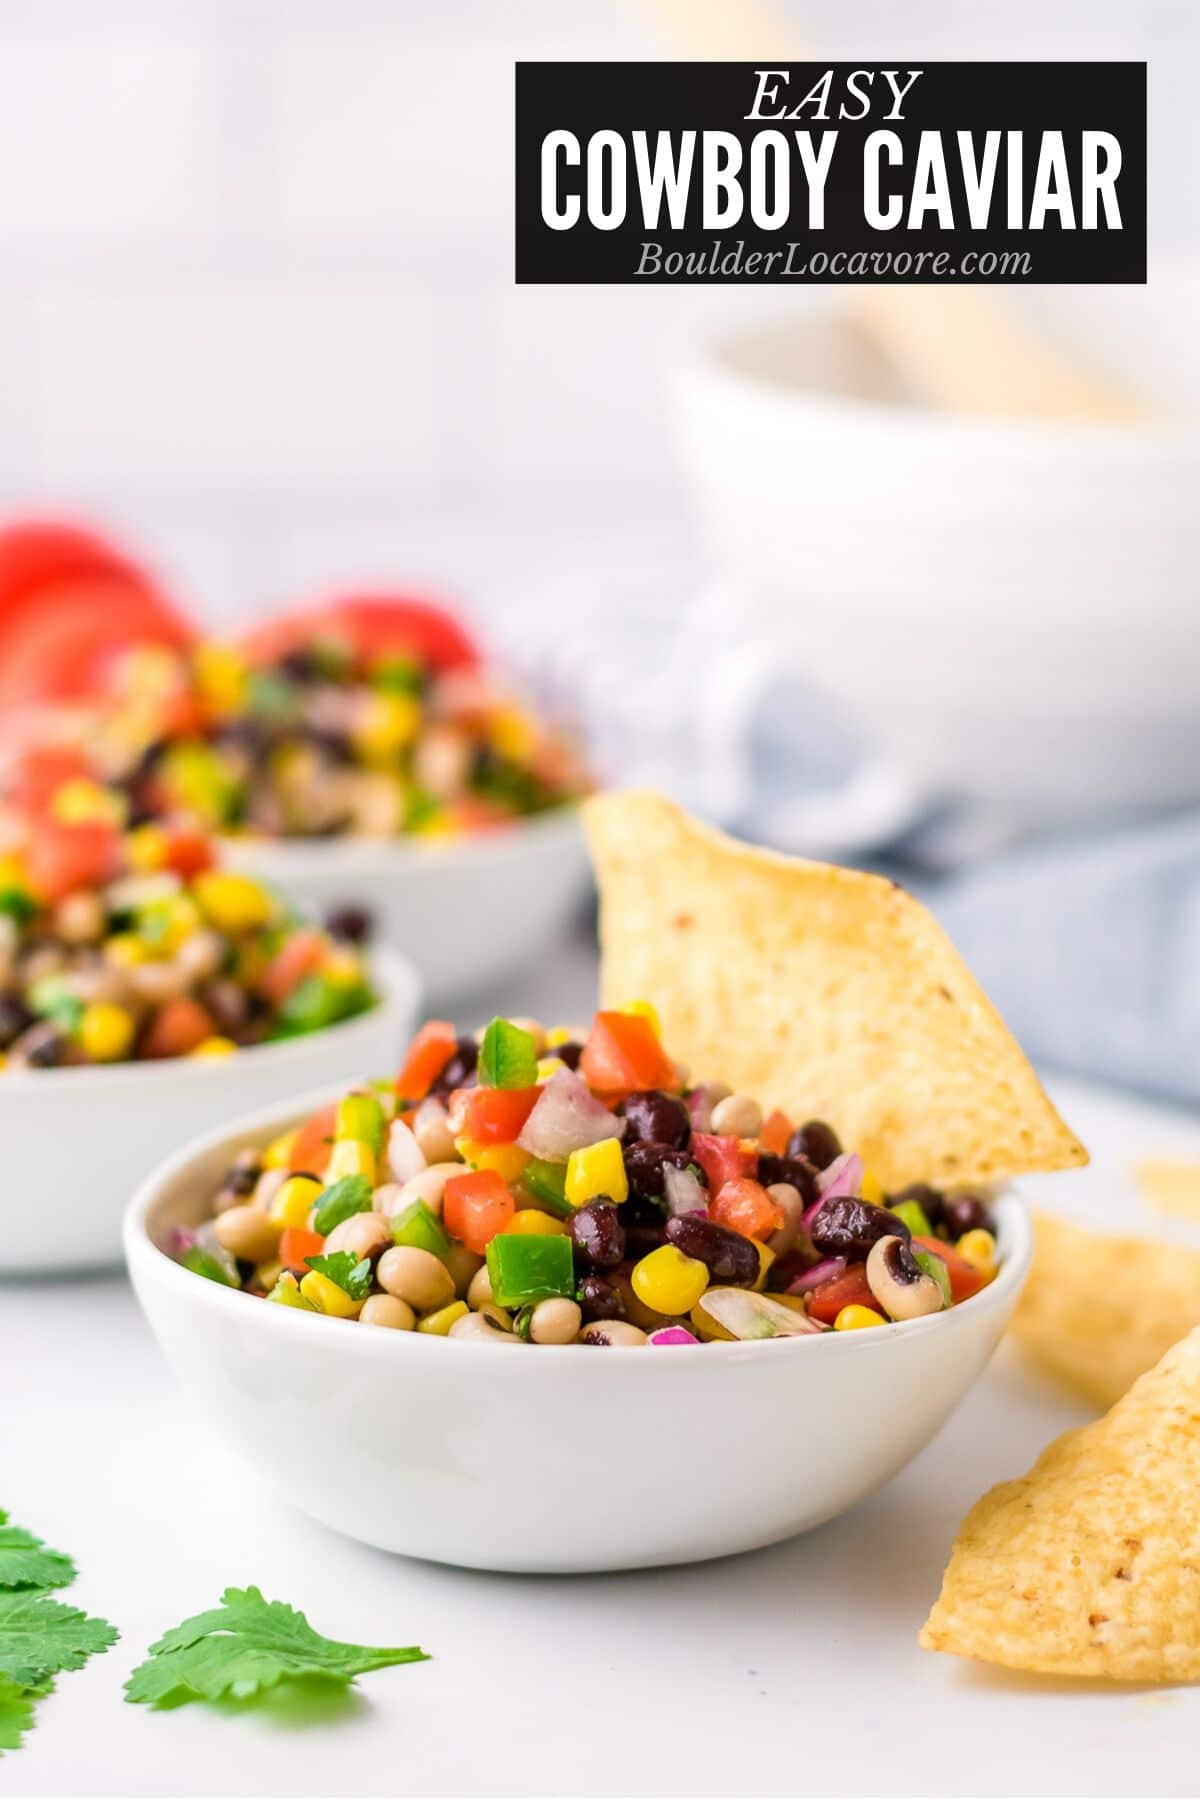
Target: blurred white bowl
78 1141
468 911
1009 610
681 1455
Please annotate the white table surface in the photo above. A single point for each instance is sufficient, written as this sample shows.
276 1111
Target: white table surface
793 1670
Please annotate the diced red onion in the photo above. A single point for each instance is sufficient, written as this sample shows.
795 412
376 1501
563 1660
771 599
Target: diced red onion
567 1116
829 1270
683 1192
841 1180
673 1334
404 1155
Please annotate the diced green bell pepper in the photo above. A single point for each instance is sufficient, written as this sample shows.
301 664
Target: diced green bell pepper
347 1271
914 1216
546 1183
507 1056
420 1229
201 1263
340 1201
524 1269
360 1119
286 1292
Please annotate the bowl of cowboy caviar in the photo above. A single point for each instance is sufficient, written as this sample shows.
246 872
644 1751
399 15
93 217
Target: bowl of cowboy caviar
364 752
144 990
555 1192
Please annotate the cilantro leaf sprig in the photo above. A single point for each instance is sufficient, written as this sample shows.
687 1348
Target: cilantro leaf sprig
244 1646
347 1271
39 1637
340 1201
16 1713
26 1562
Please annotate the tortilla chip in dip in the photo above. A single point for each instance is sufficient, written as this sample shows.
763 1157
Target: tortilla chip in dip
824 991
1090 1564
1097 1311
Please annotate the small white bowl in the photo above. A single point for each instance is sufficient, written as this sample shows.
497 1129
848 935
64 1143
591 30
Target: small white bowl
468 911
554 1460
78 1141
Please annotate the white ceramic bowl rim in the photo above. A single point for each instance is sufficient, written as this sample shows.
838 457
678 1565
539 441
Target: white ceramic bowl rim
360 851
394 977
1014 1231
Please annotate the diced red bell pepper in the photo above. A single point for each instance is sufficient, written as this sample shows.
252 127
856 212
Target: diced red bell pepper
314 1141
775 1134
37 773
428 1055
722 1159
301 955
745 1205
188 852
498 1115
62 858
623 1053
476 1207
297 1243
850 1289
177 1028
964 1280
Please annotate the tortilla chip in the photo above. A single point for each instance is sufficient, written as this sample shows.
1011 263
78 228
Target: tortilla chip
1170 1185
824 991
1098 1311
1090 1564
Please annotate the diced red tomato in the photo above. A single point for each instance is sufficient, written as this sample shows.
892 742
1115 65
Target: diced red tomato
850 1289
722 1158
297 1243
177 1028
428 1055
188 852
775 1134
497 1115
301 955
746 1206
476 1207
964 1280
376 625
623 1052
62 858
314 1141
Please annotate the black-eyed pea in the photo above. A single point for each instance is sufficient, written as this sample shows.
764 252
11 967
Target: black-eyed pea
613 1332
387 1310
154 983
791 1204
555 1321
200 956
429 1186
247 1233
738 1115
416 1276
363 1234
497 1315
479 1289
431 1128
463 1265
482 1329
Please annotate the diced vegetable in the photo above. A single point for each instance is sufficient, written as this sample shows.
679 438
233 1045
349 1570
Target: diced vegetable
623 1055
417 1226
507 1056
567 1117
428 1055
523 1269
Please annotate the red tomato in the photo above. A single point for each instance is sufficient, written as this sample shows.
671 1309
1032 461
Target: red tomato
746 1206
428 1055
177 1028
62 646
61 858
497 1115
850 1289
375 625
297 1243
476 1207
775 1134
314 1141
301 955
623 1052
964 1280
188 852
722 1158
36 553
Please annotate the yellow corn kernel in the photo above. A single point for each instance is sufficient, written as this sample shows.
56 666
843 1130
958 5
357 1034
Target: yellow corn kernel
125 949
508 1160
558 1035
277 1152
872 1189
513 734
438 1324
857 1318
389 724
548 1066
211 1049
766 1256
294 1201
221 676
84 802
105 1032
233 902
351 1157
596 1170
643 1009
167 924
667 1281
532 1223
979 1249
328 1297
146 848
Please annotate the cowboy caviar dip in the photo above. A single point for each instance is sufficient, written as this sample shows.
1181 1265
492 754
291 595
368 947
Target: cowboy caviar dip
555 1187
327 737
121 944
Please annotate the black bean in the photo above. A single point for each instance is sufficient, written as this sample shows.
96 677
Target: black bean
569 1054
817 1142
597 1234
43 1046
353 924
795 1170
966 1212
657 1118
848 1227
14 1019
460 1070
727 1255
598 1299
242 1178
644 1165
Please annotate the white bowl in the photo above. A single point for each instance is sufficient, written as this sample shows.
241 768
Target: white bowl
554 1460
468 911
1008 610
77 1142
